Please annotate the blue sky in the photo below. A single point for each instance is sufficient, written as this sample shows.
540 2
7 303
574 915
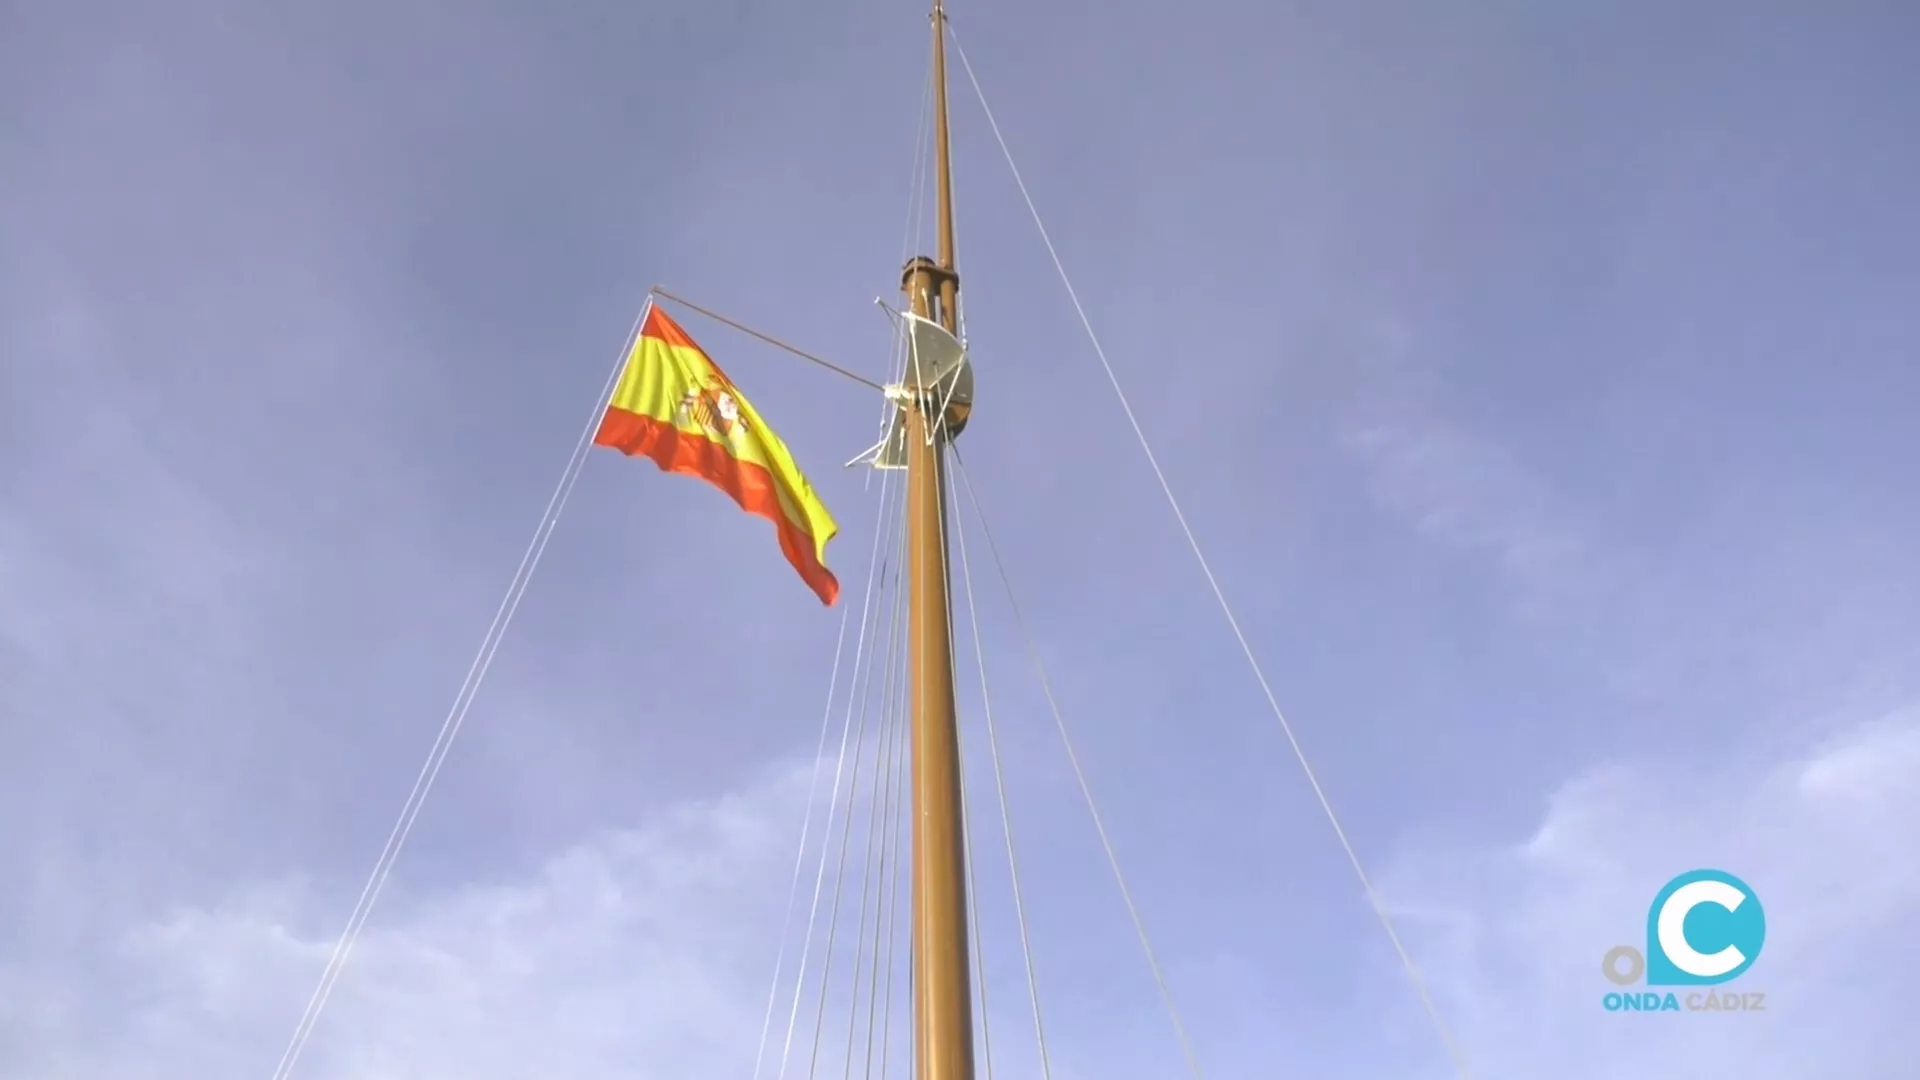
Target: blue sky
1540 379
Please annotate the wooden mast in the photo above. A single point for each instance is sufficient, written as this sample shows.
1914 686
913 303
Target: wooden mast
942 981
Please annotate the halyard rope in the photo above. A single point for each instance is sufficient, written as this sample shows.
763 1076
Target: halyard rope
1286 728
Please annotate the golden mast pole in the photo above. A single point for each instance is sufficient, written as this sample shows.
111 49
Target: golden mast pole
942 983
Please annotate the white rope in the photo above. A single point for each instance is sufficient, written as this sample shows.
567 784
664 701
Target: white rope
826 723
800 852
909 234
455 719
881 992
890 860
893 913
938 428
909 240
813 912
1086 790
898 703
1006 816
1299 752
846 837
878 803
893 717
967 861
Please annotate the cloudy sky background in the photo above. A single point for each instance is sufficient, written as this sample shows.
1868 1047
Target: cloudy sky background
1540 378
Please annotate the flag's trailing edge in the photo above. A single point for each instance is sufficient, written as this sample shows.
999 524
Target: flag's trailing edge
673 404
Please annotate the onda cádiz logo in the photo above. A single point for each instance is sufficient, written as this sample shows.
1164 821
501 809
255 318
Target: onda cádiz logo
1705 928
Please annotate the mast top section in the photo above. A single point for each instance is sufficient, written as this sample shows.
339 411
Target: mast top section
932 285
944 285
939 377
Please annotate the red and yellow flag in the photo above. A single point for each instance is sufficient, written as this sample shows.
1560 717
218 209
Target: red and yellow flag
673 404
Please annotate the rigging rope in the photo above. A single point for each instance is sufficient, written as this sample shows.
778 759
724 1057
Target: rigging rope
895 703
892 784
800 853
768 338
846 836
1086 789
882 993
456 718
966 805
1286 727
1006 817
875 571
900 871
897 781
884 755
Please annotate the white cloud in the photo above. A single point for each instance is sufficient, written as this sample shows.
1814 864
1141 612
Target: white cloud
1463 490
1731 597
646 951
643 952
1512 936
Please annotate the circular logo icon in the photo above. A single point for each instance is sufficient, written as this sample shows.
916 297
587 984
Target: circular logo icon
1623 965
1705 927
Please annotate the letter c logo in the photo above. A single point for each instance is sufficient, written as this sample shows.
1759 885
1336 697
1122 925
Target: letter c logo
1671 928
1728 929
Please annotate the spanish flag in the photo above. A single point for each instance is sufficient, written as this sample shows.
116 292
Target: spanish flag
673 404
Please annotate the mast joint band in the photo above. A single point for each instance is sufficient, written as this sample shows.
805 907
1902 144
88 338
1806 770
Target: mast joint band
936 275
